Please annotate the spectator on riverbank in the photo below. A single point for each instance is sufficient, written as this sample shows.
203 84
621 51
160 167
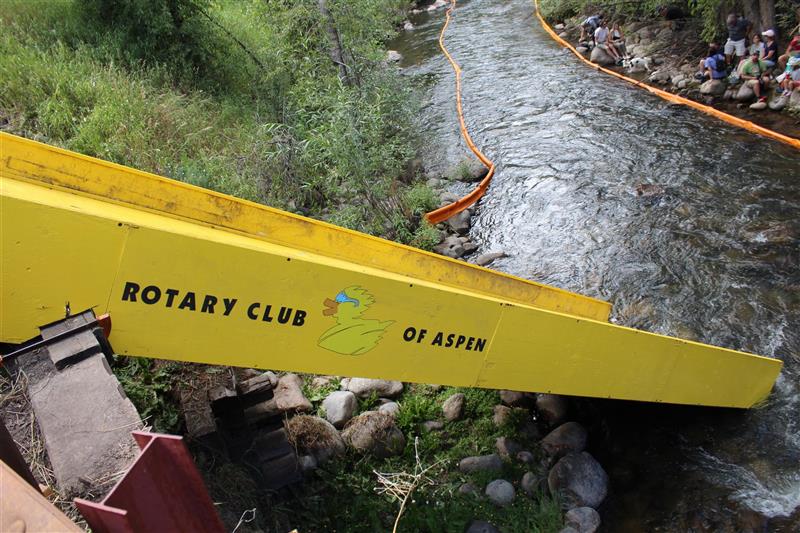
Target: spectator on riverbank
755 74
618 39
713 67
756 46
602 40
589 26
738 28
770 55
793 50
790 80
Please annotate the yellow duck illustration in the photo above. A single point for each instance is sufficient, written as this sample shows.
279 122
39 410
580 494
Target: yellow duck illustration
352 335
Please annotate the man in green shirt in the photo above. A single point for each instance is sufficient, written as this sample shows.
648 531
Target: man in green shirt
754 73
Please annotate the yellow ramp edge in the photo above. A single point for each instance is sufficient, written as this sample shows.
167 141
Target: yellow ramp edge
177 289
53 167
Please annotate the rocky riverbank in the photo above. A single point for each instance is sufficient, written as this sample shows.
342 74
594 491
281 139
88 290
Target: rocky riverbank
667 57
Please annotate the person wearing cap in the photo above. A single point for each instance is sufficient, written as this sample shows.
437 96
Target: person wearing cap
770 52
754 73
738 28
793 50
589 26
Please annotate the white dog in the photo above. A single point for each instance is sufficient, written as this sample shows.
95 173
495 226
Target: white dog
638 64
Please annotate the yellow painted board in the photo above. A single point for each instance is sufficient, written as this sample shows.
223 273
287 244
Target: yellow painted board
190 292
39 163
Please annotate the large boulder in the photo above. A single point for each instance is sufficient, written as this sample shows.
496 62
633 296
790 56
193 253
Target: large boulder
580 480
531 483
450 247
745 93
500 492
713 88
340 406
583 519
364 387
314 436
374 433
481 463
513 398
552 408
453 407
460 223
601 57
566 438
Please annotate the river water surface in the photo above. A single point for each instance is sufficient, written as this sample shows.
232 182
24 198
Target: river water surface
714 258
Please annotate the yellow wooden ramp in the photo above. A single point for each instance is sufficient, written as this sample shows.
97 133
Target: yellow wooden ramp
193 275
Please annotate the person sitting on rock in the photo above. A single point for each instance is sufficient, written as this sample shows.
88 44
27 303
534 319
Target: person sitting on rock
589 26
790 79
754 73
793 50
602 40
738 28
770 54
618 39
713 67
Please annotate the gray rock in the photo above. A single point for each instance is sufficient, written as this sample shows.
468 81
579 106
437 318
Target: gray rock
469 247
506 447
479 526
552 408
513 398
601 57
583 519
389 408
434 183
660 76
453 407
407 26
778 103
526 457
713 88
288 395
500 492
487 259
582 49
393 56
432 425
481 463
501 415
339 406
448 197
530 483
363 387
794 101
450 247
758 106
375 433
307 463
682 84
468 489
559 27
460 223
469 170
745 93
580 480
320 381
566 438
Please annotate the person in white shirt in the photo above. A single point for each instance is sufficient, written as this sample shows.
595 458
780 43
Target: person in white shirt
603 42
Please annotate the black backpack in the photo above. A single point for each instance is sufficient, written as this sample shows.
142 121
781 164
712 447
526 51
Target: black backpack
720 65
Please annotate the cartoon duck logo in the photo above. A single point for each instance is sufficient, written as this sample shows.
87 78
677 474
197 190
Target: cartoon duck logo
352 335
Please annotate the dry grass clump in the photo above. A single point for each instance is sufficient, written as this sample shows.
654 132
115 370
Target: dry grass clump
310 433
371 422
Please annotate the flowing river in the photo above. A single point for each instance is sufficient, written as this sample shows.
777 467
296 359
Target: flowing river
714 257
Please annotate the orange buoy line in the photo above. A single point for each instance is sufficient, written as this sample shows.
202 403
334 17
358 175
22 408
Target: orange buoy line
730 119
443 213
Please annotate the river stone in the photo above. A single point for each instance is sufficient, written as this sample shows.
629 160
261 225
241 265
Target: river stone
374 433
486 259
794 100
580 480
453 407
677 78
321 381
566 438
469 247
315 436
393 56
778 103
601 57
530 483
582 49
526 457
745 93
468 169
307 463
339 406
559 27
459 223
288 395
660 76
583 519
432 425
450 247
480 463
363 387
468 489
500 492
407 26
479 526
513 398
758 106
552 408
507 447
389 408
683 84
713 88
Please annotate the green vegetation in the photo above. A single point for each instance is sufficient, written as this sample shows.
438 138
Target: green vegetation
149 384
237 96
341 495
